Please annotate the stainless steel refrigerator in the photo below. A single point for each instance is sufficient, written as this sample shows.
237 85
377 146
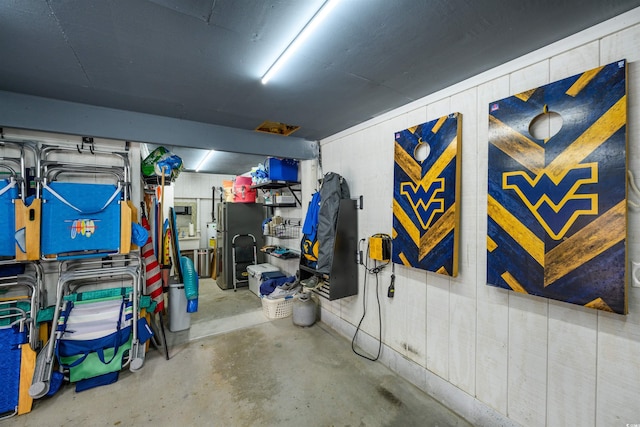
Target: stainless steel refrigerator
234 219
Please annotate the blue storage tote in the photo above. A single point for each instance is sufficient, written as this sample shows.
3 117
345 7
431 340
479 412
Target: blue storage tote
282 169
8 193
80 217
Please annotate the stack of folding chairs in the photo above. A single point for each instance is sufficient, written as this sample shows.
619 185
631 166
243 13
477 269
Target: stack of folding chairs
97 324
69 206
21 284
21 298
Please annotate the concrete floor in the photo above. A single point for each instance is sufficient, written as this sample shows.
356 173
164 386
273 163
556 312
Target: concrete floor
241 369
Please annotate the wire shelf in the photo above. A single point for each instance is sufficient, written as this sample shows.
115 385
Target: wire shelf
286 228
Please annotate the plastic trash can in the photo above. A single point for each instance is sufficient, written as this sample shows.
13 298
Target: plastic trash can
202 262
179 318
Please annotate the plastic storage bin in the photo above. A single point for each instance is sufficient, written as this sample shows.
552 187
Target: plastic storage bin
179 318
256 277
282 169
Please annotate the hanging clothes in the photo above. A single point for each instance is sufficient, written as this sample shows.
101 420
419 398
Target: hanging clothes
334 188
309 243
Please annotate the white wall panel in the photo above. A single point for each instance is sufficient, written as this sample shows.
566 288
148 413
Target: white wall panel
492 306
462 338
415 117
438 324
536 361
492 347
527 359
574 61
530 77
411 297
571 365
618 369
437 109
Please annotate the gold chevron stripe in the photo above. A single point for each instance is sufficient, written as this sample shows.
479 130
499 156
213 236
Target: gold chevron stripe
406 223
437 232
513 283
443 161
524 96
439 124
491 244
407 163
586 244
517 146
443 270
599 304
394 233
404 259
521 234
582 81
412 129
592 138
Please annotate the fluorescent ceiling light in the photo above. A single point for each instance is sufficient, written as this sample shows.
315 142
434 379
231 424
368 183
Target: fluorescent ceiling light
322 13
204 160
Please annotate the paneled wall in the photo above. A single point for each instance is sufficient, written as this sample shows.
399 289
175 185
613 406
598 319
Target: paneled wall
497 357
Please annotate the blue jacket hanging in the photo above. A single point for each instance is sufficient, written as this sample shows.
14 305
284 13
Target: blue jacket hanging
309 243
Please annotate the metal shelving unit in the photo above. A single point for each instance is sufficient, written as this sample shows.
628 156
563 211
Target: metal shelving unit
276 185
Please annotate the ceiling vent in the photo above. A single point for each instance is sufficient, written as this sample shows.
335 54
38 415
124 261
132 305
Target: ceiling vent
277 128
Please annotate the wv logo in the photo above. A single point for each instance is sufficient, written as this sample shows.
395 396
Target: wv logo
553 199
417 194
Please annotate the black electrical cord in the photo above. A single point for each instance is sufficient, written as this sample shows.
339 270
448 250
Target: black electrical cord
375 270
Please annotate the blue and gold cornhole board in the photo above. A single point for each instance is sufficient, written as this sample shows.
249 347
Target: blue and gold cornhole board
557 208
426 208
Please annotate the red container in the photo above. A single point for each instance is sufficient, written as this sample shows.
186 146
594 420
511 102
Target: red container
242 191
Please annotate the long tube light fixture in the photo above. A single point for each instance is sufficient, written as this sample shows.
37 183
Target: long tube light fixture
315 21
204 160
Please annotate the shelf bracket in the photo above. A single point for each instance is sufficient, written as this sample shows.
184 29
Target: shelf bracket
293 193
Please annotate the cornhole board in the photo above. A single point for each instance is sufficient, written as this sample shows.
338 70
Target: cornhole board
557 206
426 195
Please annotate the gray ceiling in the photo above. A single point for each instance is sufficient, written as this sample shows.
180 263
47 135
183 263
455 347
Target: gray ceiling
202 60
